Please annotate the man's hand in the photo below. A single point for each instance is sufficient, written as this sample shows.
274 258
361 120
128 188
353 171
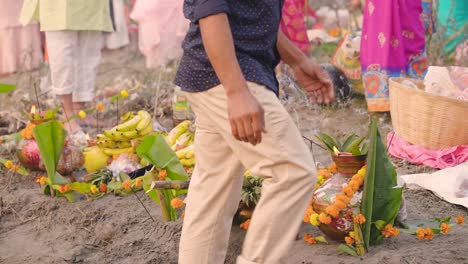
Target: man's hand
309 75
315 81
246 117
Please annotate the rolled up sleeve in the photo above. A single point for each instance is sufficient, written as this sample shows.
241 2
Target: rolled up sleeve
205 8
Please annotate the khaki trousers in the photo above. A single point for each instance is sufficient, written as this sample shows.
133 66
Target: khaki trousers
282 159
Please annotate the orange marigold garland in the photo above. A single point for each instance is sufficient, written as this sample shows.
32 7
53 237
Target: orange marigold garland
424 233
390 231
177 203
359 219
445 228
309 239
349 240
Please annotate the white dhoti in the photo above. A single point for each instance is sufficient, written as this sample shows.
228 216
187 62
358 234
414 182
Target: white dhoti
73 59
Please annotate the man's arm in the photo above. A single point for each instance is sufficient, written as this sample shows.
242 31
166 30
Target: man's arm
310 76
245 113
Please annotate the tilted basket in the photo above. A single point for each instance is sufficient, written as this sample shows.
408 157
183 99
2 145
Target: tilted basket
425 119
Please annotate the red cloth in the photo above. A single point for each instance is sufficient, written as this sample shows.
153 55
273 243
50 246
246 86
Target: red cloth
438 159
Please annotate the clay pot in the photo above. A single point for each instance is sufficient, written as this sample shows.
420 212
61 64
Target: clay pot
348 164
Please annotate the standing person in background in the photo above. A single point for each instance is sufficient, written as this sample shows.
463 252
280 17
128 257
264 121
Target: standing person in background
392 45
452 19
74 41
293 23
162 28
119 38
20 46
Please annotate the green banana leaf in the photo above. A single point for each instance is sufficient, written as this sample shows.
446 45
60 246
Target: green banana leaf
382 197
155 149
6 88
50 138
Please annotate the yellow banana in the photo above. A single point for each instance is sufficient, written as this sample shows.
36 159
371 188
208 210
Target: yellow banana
101 137
187 162
177 131
146 131
111 152
145 120
127 116
107 143
186 153
114 135
129 125
130 134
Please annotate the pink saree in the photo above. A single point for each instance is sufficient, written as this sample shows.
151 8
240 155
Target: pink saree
293 24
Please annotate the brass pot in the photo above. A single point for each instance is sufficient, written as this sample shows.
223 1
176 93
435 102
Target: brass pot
349 165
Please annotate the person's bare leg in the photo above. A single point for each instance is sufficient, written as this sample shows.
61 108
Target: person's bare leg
71 126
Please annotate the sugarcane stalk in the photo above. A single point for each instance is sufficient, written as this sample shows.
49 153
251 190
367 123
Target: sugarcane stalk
162 203
360 250
172 185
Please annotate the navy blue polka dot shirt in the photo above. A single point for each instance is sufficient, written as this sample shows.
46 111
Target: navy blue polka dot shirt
254 25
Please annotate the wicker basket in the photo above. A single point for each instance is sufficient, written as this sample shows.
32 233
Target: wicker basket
425 119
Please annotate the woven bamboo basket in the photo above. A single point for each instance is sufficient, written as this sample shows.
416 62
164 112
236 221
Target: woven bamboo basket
425 119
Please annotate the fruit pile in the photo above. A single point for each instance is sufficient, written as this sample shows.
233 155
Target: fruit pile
181 140
121 139
118 140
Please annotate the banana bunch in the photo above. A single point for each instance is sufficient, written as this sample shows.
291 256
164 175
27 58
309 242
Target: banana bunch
187 156
181 141
118 139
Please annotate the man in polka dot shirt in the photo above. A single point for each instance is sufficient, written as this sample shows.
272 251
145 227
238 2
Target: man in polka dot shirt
227 70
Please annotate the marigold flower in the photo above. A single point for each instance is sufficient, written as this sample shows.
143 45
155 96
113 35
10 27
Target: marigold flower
100 107
342 198
64 188
352 234
362 172
325 219
390 231
94 189
320 180
332 168
315 219
138 182
41 180
309 239
332 211
348 191
424 233
428 234
306 218
245 225
127 185
445 228
9 164
247 173
103 187
162 175
340 205
177 203
349 240
460 220
124 93
354 185
359 219
82 114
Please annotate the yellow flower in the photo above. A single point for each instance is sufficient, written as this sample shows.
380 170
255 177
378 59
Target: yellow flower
325 219
100 107
460 220
359 219
349 240
314 219
247 173
352 234
82 114
445 228
362 172
124 93
94 189
9 164
320 180
177 203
